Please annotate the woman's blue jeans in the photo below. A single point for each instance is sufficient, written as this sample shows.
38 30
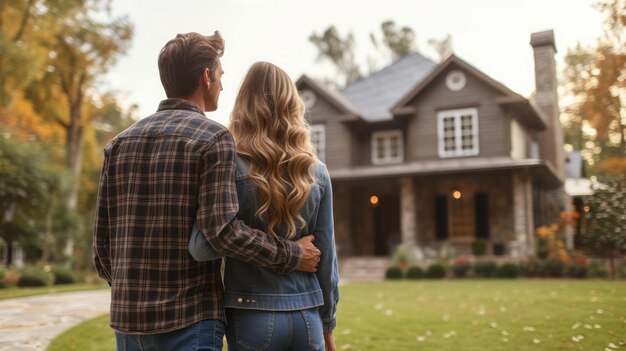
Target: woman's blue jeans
207 335
272 330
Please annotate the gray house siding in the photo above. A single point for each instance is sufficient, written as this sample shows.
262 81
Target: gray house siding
338 136
363 139
493 122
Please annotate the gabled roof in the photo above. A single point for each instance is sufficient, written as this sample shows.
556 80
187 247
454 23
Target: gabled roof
329 95
375 95
509 96
442 67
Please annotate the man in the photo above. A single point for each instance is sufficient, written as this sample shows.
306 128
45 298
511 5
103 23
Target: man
158 176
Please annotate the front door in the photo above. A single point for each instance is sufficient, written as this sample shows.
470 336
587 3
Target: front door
386 225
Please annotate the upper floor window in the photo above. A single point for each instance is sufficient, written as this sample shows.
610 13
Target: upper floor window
457 131
318 139
387 147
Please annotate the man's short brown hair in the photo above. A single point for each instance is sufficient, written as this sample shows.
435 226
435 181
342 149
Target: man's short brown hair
184 58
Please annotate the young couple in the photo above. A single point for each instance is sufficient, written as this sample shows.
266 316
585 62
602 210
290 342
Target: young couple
179 191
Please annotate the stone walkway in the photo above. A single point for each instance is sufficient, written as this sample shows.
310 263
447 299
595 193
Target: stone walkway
30 323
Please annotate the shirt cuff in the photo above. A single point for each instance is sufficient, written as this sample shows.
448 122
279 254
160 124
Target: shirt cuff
294 257
329 325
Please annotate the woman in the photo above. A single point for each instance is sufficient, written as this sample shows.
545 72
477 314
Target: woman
284 190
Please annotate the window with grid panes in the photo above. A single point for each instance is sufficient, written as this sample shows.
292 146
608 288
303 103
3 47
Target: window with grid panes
387 147
457 132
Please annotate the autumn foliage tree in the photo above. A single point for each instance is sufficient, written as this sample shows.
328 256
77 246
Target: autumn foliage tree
83 49
595 83
53 55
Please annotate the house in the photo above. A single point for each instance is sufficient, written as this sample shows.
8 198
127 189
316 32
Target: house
434 156
579 188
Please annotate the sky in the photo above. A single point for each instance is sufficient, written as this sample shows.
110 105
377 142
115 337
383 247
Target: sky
492 35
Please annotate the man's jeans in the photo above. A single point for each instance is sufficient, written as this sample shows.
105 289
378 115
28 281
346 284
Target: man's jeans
207 335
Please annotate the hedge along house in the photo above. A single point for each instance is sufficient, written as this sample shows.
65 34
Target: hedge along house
431 156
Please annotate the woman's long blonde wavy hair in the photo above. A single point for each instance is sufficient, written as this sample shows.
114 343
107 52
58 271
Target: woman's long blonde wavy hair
269 129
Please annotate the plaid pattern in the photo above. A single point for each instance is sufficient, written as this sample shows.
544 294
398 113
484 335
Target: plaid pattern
158 176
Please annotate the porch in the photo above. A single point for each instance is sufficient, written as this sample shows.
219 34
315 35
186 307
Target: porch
442 215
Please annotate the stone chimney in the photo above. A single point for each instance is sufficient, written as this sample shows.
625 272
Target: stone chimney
550 140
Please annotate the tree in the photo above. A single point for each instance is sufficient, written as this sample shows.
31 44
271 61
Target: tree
442 46
51 92
84 49
393 43
606 232
576 80
399 41
22 24
595 84
614 166
27 183
339 51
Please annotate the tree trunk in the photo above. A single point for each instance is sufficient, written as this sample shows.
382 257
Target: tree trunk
74 161
74 147
9 252
48 235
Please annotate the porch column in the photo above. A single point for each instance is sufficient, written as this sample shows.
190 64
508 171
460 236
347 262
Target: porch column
523 243
407 212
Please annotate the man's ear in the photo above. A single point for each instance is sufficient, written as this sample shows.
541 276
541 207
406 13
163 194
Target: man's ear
206 78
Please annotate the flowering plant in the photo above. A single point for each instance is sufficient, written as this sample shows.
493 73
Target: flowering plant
550 243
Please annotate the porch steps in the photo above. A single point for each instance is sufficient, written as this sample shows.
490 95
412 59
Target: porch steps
363 269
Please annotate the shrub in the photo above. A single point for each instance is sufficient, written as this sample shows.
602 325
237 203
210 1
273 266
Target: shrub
11 277
597 270
460 270
63 275
485 269
34 276
436 271
393 273
2 274
508 270
461 266
577 271
551 268
402 258
415 272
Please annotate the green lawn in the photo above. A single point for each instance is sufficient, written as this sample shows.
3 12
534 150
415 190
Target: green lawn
13 292
93 335
462 315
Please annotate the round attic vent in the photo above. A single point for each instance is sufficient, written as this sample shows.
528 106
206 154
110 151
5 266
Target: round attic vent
308 97
456 80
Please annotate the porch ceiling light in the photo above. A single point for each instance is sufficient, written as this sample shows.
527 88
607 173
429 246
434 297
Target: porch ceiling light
456 194
374 200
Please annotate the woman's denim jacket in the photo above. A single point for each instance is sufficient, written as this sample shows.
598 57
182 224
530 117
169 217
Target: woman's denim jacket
252 287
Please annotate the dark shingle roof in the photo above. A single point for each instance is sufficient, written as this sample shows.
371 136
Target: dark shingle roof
374 96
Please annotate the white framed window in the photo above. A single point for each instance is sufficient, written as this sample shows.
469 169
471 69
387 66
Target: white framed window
457 131
318 139
387 147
